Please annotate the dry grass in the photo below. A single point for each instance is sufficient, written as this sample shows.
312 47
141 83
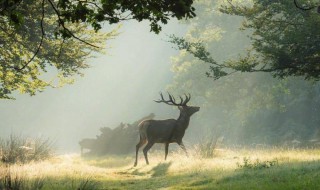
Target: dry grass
178 172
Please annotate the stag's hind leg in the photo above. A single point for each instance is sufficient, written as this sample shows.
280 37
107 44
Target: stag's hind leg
140 144
146 149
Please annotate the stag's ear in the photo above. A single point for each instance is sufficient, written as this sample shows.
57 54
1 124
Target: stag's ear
180 107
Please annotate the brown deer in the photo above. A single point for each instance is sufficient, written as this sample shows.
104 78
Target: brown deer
166 131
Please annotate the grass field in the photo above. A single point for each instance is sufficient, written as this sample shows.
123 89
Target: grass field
228 169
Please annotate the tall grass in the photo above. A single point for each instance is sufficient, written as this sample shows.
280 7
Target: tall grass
13 180
18 149
84 184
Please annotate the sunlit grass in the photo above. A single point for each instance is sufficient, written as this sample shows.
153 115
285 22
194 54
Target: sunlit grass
295 169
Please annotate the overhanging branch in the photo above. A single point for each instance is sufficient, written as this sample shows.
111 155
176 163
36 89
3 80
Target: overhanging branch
61 22
41 41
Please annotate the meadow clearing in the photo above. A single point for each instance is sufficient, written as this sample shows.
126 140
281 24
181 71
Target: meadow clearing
273 168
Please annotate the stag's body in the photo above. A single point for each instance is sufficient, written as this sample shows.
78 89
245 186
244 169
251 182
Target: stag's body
165 131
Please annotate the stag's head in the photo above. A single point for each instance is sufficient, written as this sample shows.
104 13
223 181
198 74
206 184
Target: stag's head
182 105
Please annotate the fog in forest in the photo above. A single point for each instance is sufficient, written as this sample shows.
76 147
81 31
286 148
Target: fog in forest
121 86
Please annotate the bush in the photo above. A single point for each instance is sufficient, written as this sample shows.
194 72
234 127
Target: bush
206 146
21 149
257 164
118 140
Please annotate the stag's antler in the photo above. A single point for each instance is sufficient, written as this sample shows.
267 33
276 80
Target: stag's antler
188 97
172 100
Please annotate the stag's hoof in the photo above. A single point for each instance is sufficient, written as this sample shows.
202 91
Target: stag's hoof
135 164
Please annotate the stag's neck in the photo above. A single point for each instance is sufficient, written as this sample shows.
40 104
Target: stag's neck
183 121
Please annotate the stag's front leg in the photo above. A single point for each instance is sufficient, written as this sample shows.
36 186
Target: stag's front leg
183 148
146 149
166 150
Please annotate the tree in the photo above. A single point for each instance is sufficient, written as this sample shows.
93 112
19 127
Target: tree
285 41
36 36
27 52
245 108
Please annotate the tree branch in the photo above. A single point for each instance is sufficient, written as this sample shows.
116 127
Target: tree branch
40 44
61 22
61 46
91 3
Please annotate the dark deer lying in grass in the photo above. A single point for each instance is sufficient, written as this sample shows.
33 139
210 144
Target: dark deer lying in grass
166 131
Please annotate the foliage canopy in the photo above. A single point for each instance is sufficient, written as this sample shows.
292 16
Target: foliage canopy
94 12
58 36
284 40
245 108
27 52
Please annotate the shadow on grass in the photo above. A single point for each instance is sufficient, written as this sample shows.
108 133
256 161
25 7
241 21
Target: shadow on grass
160 170
137 172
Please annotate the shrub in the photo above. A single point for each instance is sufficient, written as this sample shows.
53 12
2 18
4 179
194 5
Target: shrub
257 164
21 149
205 148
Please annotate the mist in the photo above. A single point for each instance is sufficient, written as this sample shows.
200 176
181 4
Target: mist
119 87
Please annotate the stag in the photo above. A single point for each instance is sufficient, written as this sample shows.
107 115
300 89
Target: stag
166 131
